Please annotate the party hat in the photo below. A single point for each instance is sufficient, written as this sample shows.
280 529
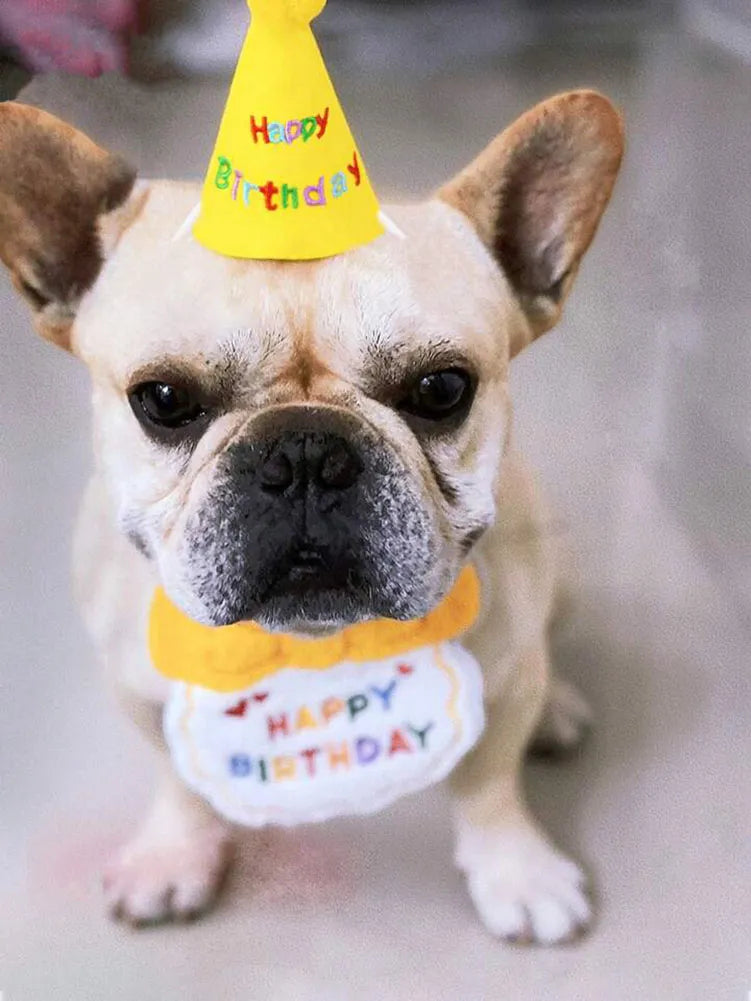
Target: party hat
286 180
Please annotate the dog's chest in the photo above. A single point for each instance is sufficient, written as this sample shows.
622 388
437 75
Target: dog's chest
273 730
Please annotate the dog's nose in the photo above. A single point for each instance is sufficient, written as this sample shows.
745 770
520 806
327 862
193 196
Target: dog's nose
300 459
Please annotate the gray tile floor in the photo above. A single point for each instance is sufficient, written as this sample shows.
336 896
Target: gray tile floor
636 411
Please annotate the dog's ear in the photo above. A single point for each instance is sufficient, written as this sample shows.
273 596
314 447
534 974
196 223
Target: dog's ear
536 194
56 189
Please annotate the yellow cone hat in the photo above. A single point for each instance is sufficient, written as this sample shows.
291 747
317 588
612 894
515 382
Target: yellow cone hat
286 180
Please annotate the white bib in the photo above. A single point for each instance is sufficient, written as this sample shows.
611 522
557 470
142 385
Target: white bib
305 745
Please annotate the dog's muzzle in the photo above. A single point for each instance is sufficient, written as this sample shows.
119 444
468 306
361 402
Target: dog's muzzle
312 521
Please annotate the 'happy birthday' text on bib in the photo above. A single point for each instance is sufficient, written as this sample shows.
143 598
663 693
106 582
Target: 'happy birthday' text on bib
277 730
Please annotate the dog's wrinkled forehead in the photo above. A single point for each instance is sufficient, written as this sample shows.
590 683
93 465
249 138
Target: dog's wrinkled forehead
434 292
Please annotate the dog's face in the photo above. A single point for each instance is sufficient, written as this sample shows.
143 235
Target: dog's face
300 444
305 444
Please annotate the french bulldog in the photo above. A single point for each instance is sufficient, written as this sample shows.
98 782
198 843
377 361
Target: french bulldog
314 444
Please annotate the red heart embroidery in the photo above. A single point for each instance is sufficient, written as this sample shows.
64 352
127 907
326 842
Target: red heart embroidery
237 710
260 696
404 669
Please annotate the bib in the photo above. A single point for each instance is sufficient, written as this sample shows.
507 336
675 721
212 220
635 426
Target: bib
272 729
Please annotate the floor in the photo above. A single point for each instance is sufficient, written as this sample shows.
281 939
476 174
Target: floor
636 411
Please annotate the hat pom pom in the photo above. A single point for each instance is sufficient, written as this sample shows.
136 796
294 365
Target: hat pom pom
301 11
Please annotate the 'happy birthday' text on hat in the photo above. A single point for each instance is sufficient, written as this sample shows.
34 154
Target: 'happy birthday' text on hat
284 147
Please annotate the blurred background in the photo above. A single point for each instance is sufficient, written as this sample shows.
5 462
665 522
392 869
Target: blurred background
157 38
636 413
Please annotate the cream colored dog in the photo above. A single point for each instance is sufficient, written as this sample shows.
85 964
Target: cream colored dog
376 381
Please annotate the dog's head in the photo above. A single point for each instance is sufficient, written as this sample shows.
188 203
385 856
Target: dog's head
304 444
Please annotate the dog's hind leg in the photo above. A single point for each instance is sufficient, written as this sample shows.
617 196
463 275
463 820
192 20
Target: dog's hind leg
564 724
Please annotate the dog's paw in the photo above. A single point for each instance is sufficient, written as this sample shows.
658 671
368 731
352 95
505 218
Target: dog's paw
524 890
564 724
149 883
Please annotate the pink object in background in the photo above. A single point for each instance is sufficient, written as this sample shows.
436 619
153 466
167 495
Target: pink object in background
86 37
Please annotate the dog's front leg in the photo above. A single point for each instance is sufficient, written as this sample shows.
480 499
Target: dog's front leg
173 868
523 888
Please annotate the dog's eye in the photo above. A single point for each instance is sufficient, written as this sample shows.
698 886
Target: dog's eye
162 405
439 395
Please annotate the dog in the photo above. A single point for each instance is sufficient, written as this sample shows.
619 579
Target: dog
380 378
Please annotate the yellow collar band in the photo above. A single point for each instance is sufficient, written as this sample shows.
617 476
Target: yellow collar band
231 658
